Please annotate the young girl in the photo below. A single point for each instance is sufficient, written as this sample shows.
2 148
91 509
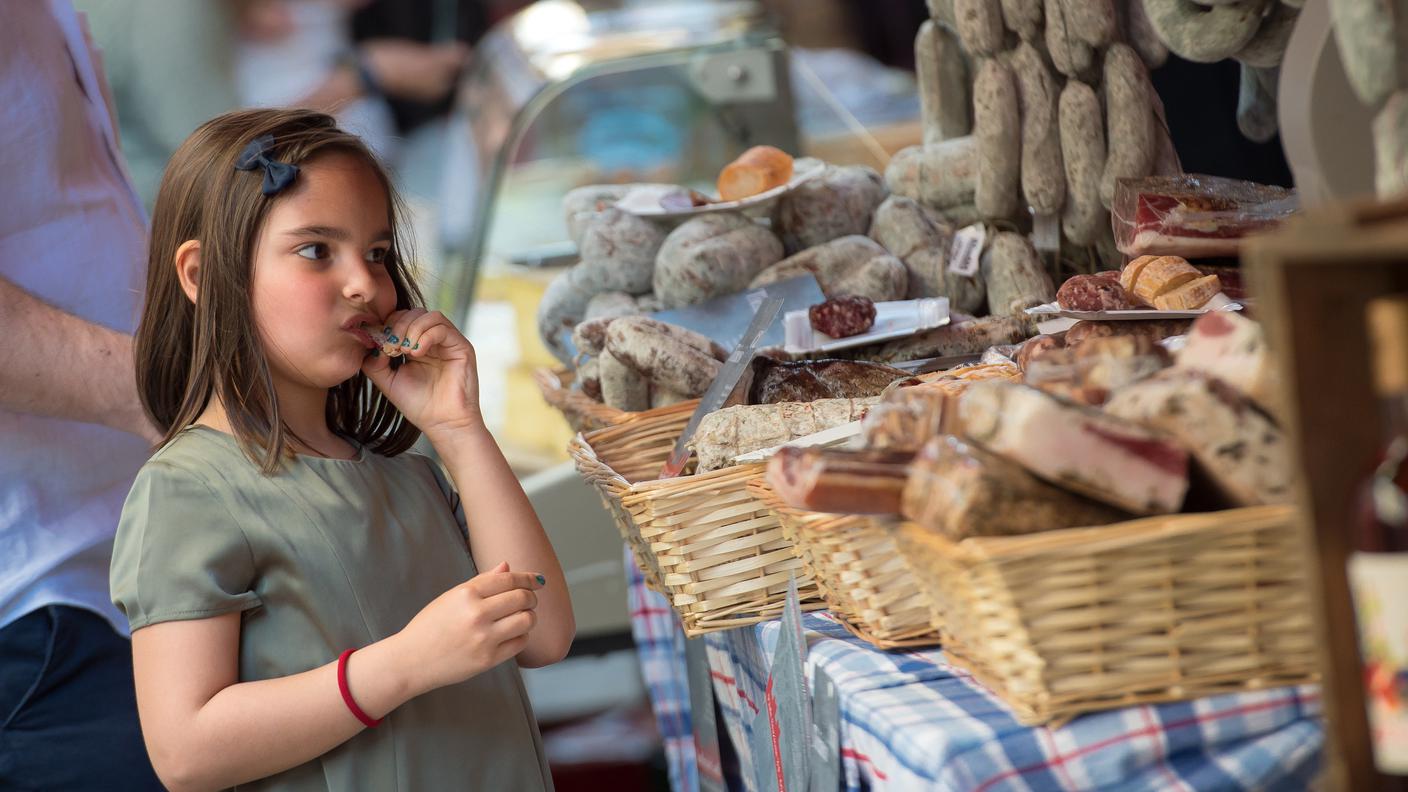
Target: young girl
292 574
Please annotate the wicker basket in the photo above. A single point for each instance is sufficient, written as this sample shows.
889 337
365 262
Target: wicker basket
633 450
857 567
583 413
1159 609
718 554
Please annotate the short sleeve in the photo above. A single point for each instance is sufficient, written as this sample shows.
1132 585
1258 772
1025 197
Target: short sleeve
452 496
179 554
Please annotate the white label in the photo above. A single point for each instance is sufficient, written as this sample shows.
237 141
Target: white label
1379 583
1046 233
963 257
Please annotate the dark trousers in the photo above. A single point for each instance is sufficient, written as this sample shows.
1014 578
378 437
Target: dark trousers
68 711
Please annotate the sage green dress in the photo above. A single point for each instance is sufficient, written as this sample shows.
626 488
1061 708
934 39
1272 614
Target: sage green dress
325 555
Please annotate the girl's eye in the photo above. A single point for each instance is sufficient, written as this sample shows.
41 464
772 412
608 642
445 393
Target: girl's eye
377 255
316 251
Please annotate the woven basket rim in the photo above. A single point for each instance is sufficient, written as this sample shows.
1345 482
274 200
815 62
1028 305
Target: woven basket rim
555 385
978 549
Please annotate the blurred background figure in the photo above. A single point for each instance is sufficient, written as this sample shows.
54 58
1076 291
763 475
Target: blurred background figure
384 69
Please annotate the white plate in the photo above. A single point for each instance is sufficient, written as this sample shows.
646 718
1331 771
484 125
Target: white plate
1219 302
894 319
645 201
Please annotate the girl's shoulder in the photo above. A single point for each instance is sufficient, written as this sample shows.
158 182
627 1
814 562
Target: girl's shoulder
200 448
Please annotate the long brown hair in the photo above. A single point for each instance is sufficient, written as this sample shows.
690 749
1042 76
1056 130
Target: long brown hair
185 352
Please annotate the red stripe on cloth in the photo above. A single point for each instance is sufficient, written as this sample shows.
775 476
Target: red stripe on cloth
646 610
851 753
731 682
1047 738
1083 750
1157 744
776 741
644 615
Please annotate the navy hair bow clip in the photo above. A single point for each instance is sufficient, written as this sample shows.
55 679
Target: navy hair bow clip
277 175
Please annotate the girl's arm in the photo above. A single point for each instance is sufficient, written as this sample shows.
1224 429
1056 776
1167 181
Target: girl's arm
437 389
204 729
504 528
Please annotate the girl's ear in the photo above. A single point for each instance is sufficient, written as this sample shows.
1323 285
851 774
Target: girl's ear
188 267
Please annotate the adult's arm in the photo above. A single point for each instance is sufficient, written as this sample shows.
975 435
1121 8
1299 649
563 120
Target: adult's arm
57 365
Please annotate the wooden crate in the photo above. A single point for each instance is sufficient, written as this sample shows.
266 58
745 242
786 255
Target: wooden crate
1312 280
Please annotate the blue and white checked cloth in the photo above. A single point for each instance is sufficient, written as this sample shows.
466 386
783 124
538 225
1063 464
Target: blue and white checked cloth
910 721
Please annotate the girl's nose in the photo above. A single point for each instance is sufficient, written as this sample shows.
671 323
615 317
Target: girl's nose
360 285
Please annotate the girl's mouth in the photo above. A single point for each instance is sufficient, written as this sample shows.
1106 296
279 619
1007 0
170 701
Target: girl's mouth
383 340
364 337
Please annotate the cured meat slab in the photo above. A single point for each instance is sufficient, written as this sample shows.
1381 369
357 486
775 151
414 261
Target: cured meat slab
960 490
845 482
1239 448
1079 448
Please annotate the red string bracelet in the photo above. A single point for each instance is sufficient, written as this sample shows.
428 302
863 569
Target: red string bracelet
347 699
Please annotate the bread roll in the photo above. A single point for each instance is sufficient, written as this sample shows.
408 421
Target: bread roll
1131 272
1163 275
756 170
1191 295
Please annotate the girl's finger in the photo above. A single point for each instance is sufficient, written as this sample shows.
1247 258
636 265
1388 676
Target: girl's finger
398 323
508 603
420 326
430 339
510 648
377 367
514 625
492 583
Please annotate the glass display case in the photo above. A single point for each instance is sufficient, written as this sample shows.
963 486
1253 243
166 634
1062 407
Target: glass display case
568 93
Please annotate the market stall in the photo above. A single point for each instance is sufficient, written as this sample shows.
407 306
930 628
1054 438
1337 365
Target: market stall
1003 421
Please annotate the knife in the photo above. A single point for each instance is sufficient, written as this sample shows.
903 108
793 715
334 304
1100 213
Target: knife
724 383
926 365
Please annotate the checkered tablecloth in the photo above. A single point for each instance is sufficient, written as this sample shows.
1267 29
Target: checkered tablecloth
660 647
911 721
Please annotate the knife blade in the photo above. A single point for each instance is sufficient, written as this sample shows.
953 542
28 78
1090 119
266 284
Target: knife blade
723 384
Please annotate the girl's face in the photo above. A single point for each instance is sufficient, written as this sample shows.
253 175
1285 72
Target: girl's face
320 272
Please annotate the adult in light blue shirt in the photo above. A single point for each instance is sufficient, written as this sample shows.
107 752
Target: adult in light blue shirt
72 432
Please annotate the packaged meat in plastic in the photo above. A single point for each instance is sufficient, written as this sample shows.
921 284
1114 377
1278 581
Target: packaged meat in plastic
1194 216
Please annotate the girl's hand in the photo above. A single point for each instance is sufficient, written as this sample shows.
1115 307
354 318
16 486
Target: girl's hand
470 629
437 385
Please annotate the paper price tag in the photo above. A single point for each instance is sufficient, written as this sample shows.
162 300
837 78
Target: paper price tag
967 250
1046 232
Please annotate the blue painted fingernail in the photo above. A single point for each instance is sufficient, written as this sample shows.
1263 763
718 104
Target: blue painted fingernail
406 342
417 346
386 330
391 339
376 353
542 581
